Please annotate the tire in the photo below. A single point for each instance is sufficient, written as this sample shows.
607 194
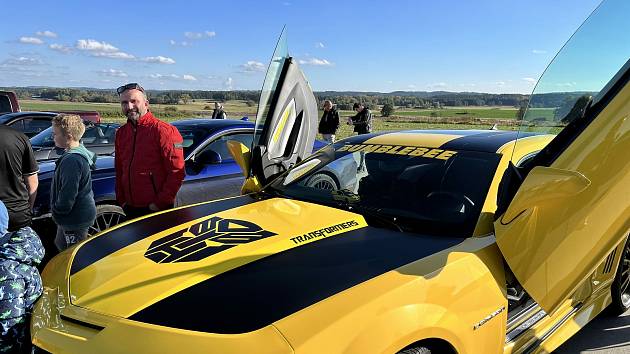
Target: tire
415 350
620 289
323 181
106 216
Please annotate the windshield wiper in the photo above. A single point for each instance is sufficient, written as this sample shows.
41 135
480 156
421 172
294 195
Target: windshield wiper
374 213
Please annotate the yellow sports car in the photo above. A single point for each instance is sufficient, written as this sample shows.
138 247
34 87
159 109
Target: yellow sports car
396 242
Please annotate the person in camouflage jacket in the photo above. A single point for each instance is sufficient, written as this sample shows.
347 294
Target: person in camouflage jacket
20 283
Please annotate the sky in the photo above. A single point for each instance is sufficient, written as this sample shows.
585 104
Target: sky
488 46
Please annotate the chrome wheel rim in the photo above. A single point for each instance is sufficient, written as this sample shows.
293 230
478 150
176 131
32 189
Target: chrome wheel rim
104 221
624 279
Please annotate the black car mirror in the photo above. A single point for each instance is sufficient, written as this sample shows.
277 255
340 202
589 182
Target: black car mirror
208 157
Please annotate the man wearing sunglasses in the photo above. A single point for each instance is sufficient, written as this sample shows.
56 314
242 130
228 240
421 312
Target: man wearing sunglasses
149 157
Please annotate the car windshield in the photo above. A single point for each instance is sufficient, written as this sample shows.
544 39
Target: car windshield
193 136
440 195
583 70
94 134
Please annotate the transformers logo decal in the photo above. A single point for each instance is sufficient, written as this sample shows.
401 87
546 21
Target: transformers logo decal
204 239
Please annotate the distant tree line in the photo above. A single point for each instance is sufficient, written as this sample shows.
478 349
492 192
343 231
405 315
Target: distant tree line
343 99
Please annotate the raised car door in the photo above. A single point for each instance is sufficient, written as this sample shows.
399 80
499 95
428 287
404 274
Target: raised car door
571 204
286 121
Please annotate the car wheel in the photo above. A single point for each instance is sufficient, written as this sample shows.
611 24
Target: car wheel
620 288
106 217
415 350
322 181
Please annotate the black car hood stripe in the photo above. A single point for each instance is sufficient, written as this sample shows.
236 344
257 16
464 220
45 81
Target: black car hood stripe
489 141
106 244
259 293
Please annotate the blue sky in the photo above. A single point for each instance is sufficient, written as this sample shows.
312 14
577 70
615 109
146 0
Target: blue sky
481 46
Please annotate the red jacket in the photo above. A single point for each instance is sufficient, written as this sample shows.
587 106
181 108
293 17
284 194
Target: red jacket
149 163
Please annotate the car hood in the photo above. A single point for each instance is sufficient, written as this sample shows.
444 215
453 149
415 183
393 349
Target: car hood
235 265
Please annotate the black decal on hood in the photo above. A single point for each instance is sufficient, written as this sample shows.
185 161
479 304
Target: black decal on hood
264 291
204 239
100 247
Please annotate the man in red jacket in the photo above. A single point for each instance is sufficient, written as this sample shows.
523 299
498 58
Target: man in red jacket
149 157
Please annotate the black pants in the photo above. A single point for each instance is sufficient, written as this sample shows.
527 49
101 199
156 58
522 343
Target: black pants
136 212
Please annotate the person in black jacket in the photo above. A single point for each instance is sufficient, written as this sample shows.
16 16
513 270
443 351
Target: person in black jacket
362 121
329 123
218 112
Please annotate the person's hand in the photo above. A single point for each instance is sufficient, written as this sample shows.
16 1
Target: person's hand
349 121
153 207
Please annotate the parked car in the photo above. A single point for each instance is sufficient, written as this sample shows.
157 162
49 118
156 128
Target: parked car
447 242
98 138
33 123
8 102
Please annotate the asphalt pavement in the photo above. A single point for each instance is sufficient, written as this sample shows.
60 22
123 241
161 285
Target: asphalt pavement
605 334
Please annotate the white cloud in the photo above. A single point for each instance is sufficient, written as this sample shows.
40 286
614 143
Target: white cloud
199 35
500 83
159 60
411 86
228 84
539 51
319 45
182 43
315 62
30 40
437 85
95 46
253 66
113 73
566 84
173 77
113 55
48 34
102 49
173 42
23 61
60 48
529 80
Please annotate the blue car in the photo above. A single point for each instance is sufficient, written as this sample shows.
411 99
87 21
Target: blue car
211 173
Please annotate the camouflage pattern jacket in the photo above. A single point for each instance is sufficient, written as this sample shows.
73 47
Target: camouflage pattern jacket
20 285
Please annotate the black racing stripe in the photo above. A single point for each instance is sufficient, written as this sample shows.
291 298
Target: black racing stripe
361 138
264 291
489 141
106 244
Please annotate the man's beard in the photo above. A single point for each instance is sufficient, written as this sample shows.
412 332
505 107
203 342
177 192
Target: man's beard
133 114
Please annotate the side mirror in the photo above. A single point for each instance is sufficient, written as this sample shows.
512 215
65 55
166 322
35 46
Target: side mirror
546 188
208 157
243 158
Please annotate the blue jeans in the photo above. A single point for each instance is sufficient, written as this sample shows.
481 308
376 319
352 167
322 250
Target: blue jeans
66 238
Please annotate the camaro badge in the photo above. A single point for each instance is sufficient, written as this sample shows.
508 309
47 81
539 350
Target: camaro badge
204 239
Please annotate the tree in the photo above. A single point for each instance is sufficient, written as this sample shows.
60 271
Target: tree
387 110
185 98
522 109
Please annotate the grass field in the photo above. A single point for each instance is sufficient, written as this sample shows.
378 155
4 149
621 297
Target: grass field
402 119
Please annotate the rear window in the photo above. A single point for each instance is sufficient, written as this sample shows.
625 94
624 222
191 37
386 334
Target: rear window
5 104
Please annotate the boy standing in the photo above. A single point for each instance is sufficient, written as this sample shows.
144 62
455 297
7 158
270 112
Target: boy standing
72 199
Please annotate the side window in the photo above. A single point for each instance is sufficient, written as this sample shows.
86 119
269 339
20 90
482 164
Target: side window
219 145
33 126
5 104
17 125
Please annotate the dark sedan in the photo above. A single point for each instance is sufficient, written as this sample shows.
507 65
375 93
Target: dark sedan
33 123
98 138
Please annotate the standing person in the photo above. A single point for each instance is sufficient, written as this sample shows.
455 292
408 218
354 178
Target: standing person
20 247
20 253
362 121
218 112
329 123
149 157
18 177
71 196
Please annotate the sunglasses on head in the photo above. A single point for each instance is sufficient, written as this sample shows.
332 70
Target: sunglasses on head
131 86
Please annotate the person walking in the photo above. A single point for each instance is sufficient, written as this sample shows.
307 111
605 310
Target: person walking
149 157
218 112
71 196
362 121
329 123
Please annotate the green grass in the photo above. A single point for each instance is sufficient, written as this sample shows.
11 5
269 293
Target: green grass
403 118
